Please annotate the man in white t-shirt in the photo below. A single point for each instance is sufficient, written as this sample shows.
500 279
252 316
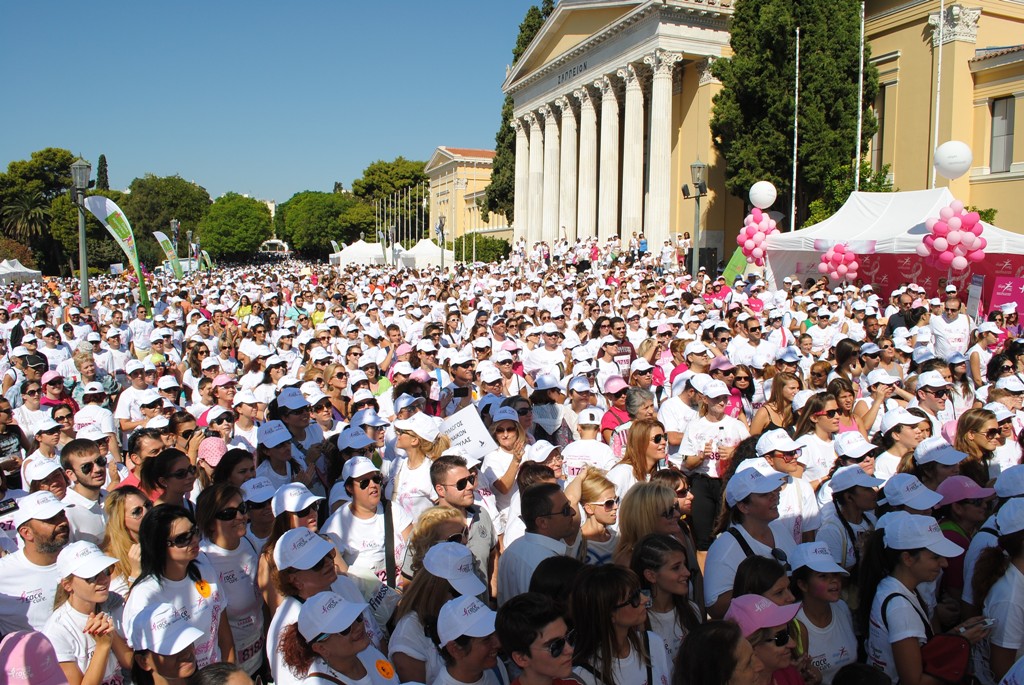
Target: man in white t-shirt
87 471
29 577
677 412
951 332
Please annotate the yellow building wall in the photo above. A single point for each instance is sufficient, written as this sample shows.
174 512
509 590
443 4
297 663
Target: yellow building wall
454 195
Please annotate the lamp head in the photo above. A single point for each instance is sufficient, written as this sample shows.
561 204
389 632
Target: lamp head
80 172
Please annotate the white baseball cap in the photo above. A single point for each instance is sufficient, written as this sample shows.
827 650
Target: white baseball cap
1010 518
590 417
905 489
714 389
292 497
83 559
357 467
273 434
909 531
354 438
852 444
420 424
39 505
746 482
454 562
931 379
258 489
776 440
301 549
881 376
464 615
935 449
1010 482
163 629
899 416
815 556
847 477
327 613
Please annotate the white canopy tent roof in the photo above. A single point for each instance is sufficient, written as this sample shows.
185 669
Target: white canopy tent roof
884 223
360 252
13 271
428 253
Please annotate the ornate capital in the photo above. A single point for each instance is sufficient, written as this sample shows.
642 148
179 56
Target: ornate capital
533 121
565 105
662 62
958 23
704 75
631 76
586 97
548 112
517 124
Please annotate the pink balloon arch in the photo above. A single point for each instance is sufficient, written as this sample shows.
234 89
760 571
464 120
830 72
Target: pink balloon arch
757 226
840 262
954 239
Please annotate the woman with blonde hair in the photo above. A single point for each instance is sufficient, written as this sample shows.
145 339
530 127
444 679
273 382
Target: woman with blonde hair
423 442
647 508
601 505
646 447
124 508
335 378
977 434
777 412
436 524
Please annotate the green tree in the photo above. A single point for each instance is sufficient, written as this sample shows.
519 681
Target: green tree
839 185
26 216
234 226
101 248
382 180
12 249
153 201
752 120
102 181
488 249
500 193
312 219
987 215
47 172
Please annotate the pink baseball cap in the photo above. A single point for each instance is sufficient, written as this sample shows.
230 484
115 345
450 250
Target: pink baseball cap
614 384
212 450
404 348
753 612
958 488
28 658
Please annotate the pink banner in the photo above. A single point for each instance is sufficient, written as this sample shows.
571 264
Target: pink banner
1007 289
886 272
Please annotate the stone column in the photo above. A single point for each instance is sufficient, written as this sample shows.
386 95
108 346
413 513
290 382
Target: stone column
567 172
608 208
586 205
657 224
535 205
522 191
632 153
551 161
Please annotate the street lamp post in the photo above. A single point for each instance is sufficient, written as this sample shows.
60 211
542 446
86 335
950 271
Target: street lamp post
699 176
80 172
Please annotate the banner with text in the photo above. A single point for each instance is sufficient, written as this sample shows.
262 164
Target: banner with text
116 223
466 429
168 248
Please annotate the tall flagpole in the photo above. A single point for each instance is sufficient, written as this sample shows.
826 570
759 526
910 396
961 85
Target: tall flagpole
938 85
860 100
796 134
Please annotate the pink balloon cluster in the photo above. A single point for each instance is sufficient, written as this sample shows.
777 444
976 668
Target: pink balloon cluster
953 239
757 226
839 262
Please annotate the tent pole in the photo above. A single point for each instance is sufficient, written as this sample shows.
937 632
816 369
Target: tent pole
796 123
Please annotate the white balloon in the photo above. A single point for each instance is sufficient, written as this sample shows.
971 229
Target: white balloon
953 159
762 194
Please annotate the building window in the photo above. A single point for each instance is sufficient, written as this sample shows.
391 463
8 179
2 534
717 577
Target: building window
1002 134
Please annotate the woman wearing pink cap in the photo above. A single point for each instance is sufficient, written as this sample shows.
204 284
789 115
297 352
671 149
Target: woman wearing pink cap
961 512
766 627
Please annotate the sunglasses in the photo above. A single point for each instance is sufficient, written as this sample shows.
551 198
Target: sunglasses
742 378
462 483
226 418
637 598
319 566
780 556
567 511
672 512
608 504
231 513
831 413
253 506
506 429
658 439
86 468
182 474
992 433
365 482
938 393
617 395
780 639
62 418
32 393
789 455
183 540
557 646
139 512
102 574
323 636
523 411
682 493
977 501
459 537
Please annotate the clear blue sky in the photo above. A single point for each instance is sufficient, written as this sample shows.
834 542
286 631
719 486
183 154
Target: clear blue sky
258 97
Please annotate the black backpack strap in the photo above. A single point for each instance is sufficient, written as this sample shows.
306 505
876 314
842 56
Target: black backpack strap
389 545
924 619
650 659
991 531
741 541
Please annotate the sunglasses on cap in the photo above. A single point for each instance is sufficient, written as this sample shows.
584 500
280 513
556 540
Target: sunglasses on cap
183 540
231 513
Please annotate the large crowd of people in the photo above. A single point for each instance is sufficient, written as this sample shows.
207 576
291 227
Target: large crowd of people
651 477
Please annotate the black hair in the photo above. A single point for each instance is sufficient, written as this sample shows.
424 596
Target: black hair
153 535
136 437
693 665
215 674
536 502
523 618
152 470
554 578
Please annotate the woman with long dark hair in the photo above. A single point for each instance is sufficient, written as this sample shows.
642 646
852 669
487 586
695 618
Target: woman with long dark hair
613 645
172 573
734 664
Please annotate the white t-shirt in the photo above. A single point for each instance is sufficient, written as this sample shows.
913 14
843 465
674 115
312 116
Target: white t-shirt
818 456
725 555
593 453
621 475
632 670
798 510
410 639
93 414
952 336
86 517
361 541
981 541
886 464
833 646
65 631
833 533
1005 603
236 576
903 616
492 676
494 467
676 415
372 660
411 488
26 593
204 600
728 429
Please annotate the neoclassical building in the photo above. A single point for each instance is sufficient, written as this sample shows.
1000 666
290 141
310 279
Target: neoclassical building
613 100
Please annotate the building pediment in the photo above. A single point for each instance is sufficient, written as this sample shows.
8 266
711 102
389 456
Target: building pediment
444 156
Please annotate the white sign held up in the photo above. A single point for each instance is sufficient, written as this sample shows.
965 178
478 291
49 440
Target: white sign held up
466 429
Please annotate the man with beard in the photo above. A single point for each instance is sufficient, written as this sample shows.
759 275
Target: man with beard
29 577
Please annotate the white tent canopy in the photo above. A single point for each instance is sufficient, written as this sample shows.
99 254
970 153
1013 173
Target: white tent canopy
428 253
13 271
360 252
883 223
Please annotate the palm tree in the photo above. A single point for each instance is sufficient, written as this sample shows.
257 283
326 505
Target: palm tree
26 216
